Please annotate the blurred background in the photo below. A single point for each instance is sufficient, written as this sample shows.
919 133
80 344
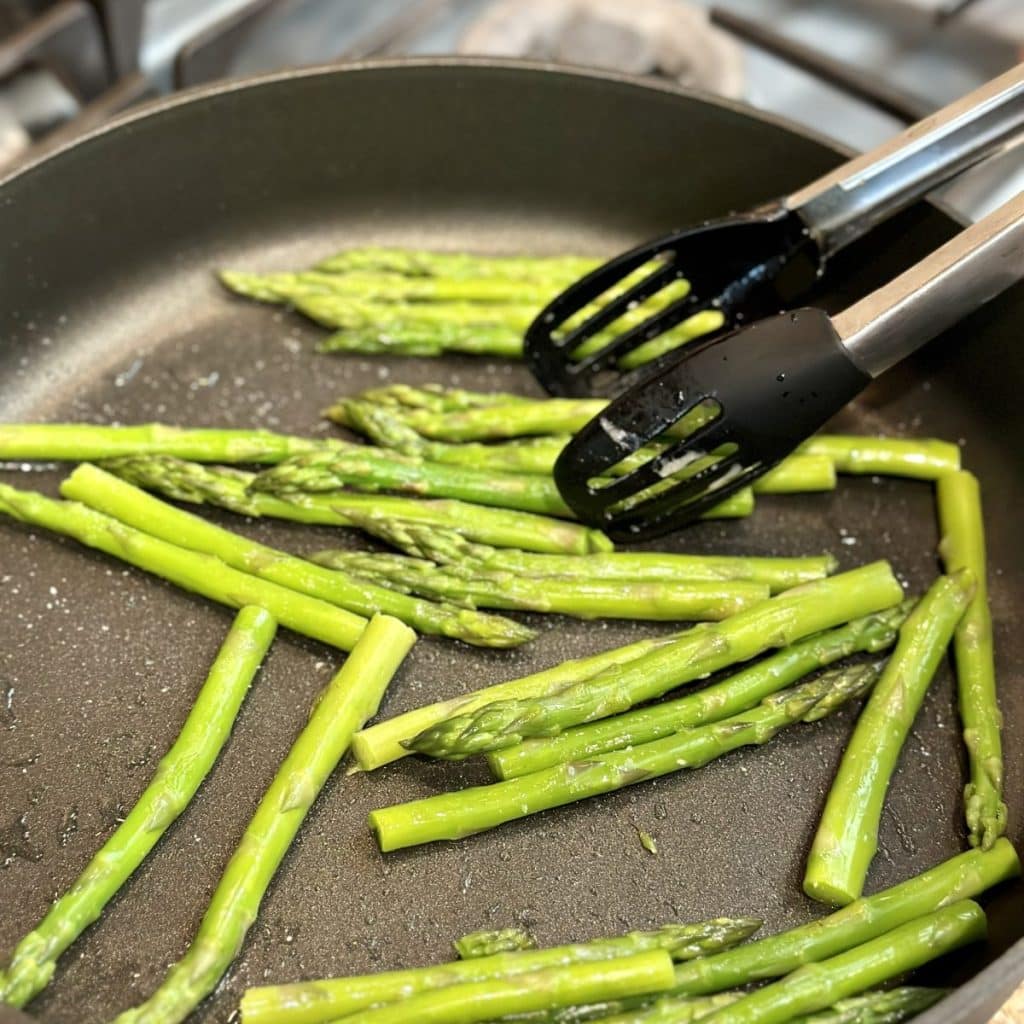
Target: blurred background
855 70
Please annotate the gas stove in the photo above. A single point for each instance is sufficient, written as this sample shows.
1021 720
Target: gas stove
855 70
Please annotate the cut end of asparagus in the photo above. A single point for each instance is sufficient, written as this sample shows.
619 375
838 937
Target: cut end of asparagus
827 890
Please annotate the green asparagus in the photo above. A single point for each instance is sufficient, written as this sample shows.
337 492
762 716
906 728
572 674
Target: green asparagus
961 877
416 338
891 1006
437 397
385 288
373 329
81 441
459 814
535 990
488 942
178 776
921 458
818 986
229 488
737 693
963 547
777 622
203 574
798 473
427 314
450 548
639 1010
388 741
384 426
429 263
313 1002
495 422
847 834
883 1007
123 501
350 698
584 598
373 469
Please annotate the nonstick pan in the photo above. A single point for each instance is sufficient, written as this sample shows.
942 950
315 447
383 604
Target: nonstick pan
109 312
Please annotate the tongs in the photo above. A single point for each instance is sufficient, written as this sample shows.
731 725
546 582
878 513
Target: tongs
725 411
750 265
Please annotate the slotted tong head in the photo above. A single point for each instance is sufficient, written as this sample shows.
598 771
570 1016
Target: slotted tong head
753 264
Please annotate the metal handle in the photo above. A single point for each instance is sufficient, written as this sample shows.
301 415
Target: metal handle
975 266
853 198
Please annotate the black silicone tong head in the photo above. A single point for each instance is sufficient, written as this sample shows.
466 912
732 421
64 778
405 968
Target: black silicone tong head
720 414
706 421
743 267
589 339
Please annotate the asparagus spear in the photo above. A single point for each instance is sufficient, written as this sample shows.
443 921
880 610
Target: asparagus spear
489 942
536 990
80 441
203 574
495 422
425 263
379 422
373 469
963 547
437 397
518 419
415 330
178 776
885 456
585 598
374 286
737 693
641 1010
351 697
484 315
818 986
847 835
415 338
692 327
798 474
126 503
229 488
778 622
313 1002
447 547
387 741
463 813
961 877
921 458
883 1007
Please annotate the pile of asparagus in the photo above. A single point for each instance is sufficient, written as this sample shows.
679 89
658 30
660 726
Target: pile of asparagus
422 303
478 524
823 972
346 703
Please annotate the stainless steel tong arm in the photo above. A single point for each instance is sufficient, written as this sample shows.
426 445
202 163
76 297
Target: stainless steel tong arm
853 198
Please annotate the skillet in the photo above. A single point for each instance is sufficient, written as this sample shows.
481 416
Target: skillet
109 312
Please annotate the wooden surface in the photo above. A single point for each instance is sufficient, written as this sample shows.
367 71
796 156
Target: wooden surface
1013 1011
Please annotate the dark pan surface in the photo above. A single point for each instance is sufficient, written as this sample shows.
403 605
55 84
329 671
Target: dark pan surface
108 311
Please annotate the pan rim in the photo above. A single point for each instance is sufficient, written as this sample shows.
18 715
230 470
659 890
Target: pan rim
223 87
1007 970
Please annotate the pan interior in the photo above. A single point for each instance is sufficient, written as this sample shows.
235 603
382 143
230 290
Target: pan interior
109 313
